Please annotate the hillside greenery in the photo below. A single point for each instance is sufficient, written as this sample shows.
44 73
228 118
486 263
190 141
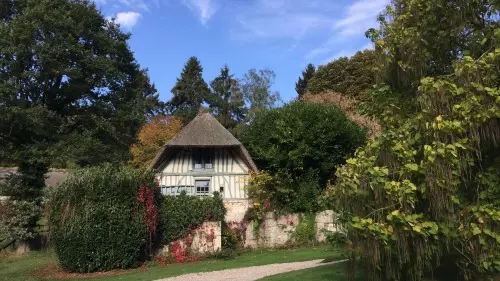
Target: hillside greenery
352 77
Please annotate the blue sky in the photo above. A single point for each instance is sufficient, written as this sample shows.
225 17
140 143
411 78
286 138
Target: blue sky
283 35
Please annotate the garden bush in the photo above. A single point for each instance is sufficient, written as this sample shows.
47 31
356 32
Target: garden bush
17 219
299 138
305 232
182 213
97 218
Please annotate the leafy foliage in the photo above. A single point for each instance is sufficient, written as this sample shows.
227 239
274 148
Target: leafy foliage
353 77
189 92
27 183
182 213
96 219
256 88
427 188
301 86
16 220
227 100
65 67
305 231
151 138
350 107
300 139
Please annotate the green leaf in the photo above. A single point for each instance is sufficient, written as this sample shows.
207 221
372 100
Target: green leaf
412 166
417 228
475 229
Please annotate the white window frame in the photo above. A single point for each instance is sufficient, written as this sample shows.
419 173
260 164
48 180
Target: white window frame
203 179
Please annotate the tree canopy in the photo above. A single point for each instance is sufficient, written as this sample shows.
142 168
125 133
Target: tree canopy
353 77
426 190
301 86
71 92
189 92
256 87
299 144
226 100
152 137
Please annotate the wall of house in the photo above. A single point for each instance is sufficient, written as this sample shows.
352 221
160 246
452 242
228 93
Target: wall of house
229 171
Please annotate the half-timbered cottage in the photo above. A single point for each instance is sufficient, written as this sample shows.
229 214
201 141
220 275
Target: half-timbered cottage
204 157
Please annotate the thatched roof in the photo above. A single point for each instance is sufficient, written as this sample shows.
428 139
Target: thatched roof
203 131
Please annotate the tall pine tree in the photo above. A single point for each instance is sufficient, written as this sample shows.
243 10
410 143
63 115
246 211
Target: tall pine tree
227 100
190 91
301 84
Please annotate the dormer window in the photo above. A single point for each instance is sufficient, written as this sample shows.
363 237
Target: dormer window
203 158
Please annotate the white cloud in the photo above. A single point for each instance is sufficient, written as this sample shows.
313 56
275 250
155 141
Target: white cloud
317 52
129 4
342 53
127 19
204 9
368 45
292 19
359 17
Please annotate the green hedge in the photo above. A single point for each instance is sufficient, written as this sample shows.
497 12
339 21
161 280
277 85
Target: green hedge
181 213
96 220
17 219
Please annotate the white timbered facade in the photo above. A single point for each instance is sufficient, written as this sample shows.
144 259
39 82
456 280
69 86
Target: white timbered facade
202 159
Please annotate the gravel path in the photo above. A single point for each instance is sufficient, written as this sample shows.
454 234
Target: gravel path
247 273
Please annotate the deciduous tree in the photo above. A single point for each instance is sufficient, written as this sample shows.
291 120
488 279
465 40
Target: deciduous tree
353 77
426 191
63 65
299 144
151 138
256 87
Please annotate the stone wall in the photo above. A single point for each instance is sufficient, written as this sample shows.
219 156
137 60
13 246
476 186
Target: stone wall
325 222
278 231
236 209
202 240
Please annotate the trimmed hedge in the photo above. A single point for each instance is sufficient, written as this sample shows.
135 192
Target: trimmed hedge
96 219
182 213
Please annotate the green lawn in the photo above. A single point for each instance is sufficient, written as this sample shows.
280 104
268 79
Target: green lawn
333 272
20 268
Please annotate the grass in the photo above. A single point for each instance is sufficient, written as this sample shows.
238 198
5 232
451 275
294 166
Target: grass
332 272
21 268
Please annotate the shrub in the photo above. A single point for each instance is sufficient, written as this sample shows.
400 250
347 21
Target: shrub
17 219
182 213
300 139
231 240
282 195
305 232
96 219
